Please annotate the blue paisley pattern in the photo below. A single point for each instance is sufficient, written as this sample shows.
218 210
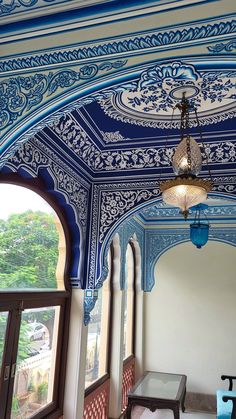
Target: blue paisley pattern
20 94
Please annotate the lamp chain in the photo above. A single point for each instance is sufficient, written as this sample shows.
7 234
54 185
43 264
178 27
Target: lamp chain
203 146
184 125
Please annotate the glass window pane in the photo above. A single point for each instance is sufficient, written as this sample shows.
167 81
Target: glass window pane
30 235
3 327
34 379
96 362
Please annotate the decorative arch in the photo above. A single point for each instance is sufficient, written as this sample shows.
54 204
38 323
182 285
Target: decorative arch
160 242
129 231
74 86
128 198
31 164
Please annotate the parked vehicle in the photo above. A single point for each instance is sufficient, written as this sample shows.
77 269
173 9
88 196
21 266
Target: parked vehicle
36 331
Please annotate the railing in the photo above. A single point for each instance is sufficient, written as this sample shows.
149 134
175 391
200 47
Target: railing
127 380
96 403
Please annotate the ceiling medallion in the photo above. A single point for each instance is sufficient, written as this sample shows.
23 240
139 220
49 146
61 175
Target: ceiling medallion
149 100
186 189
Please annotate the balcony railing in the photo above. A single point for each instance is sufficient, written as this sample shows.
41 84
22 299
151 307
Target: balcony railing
96 403
127 380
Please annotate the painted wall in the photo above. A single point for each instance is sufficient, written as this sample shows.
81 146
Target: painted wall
190 315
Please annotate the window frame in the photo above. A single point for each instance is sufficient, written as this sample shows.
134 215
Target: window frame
14 301
132 355
96 384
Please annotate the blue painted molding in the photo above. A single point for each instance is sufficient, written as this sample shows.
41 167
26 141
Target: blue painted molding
115 203
21 94
211 212
227 47
7 7
127 232
34 158
158 241
18 104
112 203
90 299
79 142
130 44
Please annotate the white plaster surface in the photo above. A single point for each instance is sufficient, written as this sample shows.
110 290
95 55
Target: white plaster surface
190 315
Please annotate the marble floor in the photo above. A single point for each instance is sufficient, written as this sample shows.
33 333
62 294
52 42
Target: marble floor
141 413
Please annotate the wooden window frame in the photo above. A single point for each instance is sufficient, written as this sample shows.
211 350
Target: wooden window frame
94 386
13 301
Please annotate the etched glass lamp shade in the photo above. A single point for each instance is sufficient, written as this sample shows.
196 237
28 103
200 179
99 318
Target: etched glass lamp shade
184 193
187 158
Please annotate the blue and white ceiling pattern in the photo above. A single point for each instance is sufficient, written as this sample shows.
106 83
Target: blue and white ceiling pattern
151 99
104 106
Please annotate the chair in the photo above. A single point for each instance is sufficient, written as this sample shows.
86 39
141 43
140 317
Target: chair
226 400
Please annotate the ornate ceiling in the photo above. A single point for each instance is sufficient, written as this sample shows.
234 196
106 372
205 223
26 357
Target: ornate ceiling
87 92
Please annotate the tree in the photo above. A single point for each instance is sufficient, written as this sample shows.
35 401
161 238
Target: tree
28 251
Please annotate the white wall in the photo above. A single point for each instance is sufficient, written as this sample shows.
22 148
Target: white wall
190 315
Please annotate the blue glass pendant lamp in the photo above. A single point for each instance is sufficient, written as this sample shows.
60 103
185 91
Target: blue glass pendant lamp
199 229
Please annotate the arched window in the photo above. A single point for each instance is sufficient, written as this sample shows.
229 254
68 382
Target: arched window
129 296
98 333
34 305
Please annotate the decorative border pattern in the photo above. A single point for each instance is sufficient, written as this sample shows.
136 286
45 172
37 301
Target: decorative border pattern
223 47
22 94
158 242
155 211
114 203
7 8
104 216
33 157
113 137
133 44
126 232
75 137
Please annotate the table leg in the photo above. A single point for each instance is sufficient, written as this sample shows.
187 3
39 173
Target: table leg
176 411
128 412
183 400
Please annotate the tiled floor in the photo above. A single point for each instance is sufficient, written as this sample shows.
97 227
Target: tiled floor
140 413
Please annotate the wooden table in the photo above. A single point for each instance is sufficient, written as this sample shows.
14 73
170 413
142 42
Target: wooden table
158 390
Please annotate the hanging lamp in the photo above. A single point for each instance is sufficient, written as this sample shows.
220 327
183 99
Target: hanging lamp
199 229
186 189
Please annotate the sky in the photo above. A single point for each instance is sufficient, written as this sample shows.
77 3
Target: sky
16 199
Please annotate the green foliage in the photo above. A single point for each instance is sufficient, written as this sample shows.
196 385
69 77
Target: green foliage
3 325
42 391
24 342
41 316
15 408
31 387
28 251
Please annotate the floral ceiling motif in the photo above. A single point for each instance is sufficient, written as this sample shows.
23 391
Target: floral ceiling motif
74 136
150 100
21 94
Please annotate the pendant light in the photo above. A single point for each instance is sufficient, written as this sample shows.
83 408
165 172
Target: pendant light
186 189
199 229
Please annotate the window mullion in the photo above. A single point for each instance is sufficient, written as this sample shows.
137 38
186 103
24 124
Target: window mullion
9 361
